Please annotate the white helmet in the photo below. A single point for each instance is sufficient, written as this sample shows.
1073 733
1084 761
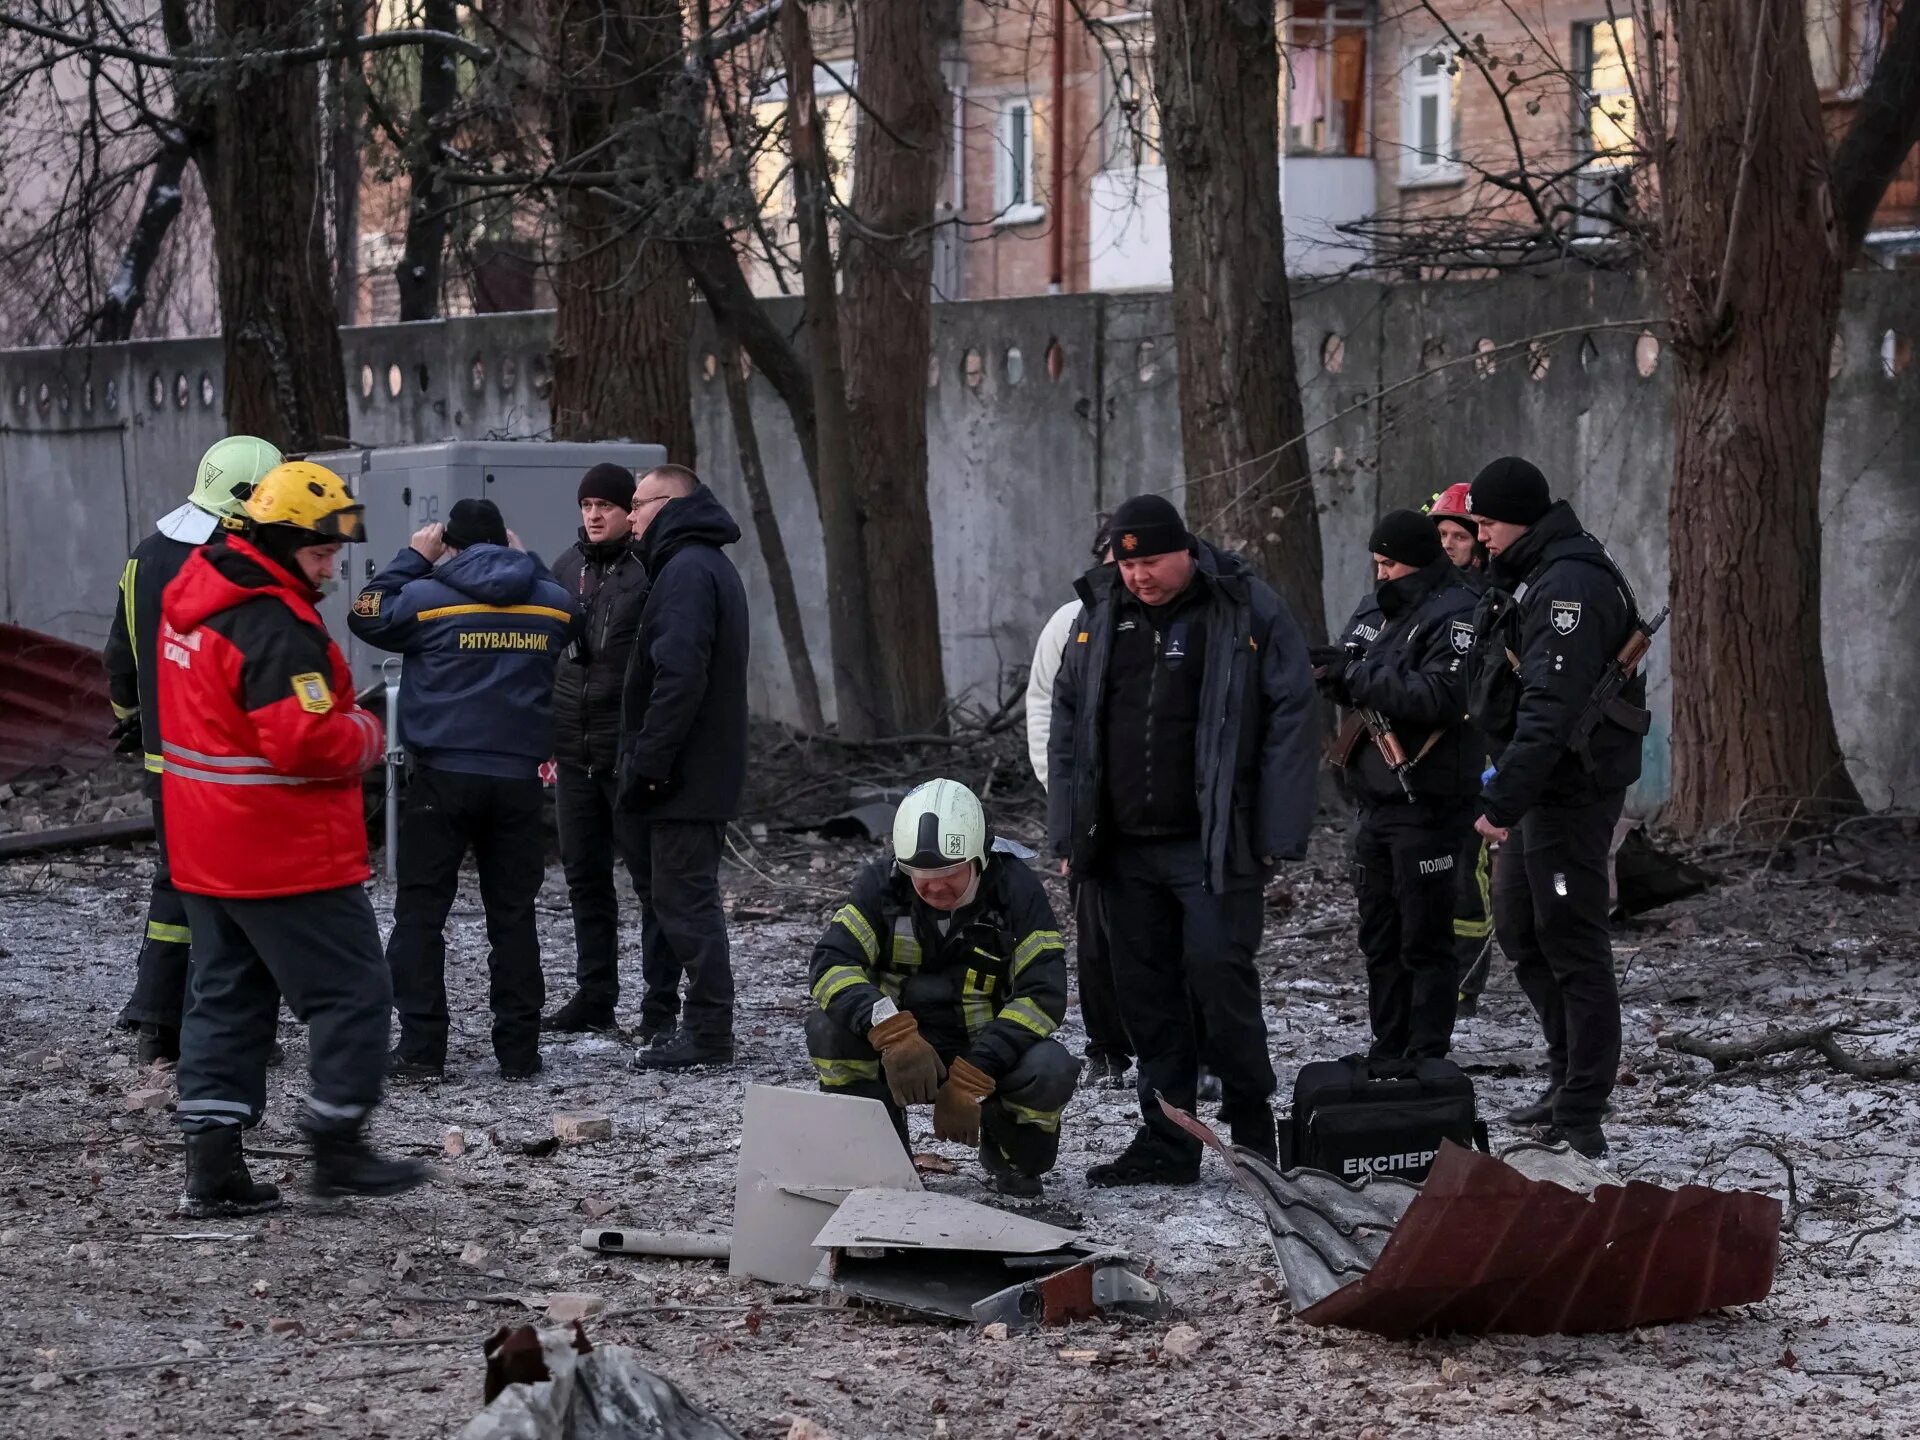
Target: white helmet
939 825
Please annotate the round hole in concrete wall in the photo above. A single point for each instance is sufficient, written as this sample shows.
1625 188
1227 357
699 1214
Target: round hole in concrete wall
66 398
746 366
1646 353
113 395
1016 365
366 382
1333 354
43 398
1144 363
206 390
421 376
1896 353
1056 360
1483 356
1539 359
541 375
20 397
709 366
86 397
1836 357
509 374
476 375
933 371
973 367
182 390
156 391
1433 350
396 382
1589 354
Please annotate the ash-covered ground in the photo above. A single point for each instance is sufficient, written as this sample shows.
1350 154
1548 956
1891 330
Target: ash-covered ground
366 1321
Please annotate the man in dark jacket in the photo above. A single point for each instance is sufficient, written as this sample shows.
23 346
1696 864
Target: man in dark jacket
1181 769
1406 846
608 584
1557 610
940 982
482 633
226 476
683 748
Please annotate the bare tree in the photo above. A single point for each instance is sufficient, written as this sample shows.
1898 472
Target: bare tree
1216 75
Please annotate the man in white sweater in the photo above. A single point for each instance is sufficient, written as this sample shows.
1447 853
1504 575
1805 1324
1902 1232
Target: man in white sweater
1109 1052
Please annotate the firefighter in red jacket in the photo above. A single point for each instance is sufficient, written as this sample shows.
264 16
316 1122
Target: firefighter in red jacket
262 750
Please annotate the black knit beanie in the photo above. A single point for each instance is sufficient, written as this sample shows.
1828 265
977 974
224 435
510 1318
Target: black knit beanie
1510 490
1148 525
1407 537
609 482
474 522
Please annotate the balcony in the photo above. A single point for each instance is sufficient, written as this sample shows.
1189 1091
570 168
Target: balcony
1128 246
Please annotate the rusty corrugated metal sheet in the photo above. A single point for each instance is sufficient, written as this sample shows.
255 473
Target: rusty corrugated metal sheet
1537 1241
53 704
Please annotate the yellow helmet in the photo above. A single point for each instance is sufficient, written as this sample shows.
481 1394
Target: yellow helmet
309 498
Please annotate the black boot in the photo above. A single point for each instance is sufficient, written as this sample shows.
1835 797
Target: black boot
1255 1131
1588 1140
158 1043
400 1068
686 1052
579 1015
1538 1113
347 1165
1107 1070
1149 1160
217 1178
1006 1178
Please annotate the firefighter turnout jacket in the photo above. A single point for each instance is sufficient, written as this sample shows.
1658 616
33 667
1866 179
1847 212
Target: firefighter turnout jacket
986 982
133 685
264 743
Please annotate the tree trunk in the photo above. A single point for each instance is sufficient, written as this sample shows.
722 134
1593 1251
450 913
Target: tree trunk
887 265
346 81
285 381
858 705
623 313
422 265
1752 272
1249 486
773 546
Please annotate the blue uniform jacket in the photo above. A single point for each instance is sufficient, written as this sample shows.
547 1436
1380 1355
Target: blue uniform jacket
483 634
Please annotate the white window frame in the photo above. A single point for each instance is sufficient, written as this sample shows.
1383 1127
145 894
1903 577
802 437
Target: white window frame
1008 208
1415 87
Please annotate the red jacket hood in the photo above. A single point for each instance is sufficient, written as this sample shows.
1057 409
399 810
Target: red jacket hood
229 572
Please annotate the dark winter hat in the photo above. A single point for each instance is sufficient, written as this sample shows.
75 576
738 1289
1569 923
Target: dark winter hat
609 482
1407 537
475 522
1511 490
1148 525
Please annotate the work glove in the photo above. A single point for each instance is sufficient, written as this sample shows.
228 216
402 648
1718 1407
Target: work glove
912 1066
1322 657
956 1110
126 736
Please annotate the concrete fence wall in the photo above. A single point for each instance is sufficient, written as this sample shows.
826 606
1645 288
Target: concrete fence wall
1043 412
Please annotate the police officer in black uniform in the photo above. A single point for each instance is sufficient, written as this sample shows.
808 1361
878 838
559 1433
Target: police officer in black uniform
1409 837
1556 612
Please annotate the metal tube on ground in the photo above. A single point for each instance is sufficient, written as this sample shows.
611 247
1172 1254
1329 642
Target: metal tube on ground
396 757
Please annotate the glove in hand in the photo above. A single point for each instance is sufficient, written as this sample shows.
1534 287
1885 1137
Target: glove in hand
911 1065
956 1111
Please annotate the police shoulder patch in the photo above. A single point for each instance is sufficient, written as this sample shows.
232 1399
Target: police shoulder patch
1564 616
367 603
311 691
1460 635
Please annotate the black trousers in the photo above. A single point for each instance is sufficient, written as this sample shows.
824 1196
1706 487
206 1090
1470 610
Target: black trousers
1473 915
322 952
1179 948
1099 1001
160 977
447 813
1405 863
594 832
683 926
1550 911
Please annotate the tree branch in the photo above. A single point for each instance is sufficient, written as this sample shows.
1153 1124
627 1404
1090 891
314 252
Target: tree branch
1885 128
303 55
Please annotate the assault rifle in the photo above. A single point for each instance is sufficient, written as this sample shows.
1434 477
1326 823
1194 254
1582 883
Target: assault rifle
1389 746
1605 702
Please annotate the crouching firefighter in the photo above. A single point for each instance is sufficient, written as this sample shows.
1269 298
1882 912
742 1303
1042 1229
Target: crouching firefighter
940 982
262 750
1413 768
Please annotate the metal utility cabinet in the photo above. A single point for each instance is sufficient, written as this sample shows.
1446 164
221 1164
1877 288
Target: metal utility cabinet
533 482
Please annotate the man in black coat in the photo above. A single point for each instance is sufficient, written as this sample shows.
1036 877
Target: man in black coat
1406 847
1181 768
683 748
609 585
1557 610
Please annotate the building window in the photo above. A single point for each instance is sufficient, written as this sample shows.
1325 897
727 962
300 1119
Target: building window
1015 197
1605 123
1326 99
1430 118
1131 116
1844 38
